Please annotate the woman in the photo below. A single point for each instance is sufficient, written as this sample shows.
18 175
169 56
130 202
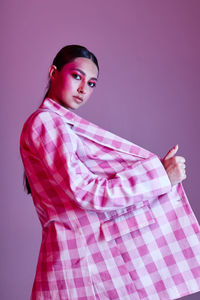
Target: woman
116 221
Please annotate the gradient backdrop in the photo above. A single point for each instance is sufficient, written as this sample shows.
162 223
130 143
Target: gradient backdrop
148 92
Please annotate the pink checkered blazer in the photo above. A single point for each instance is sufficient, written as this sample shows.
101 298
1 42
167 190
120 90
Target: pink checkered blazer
113 226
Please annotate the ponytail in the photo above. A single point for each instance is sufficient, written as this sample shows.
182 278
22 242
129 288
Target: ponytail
26 184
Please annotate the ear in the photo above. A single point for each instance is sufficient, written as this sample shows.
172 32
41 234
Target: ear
52 72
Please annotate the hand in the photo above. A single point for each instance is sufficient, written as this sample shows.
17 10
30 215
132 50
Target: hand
174 166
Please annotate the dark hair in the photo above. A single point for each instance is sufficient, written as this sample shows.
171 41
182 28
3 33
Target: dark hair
69 53
66 55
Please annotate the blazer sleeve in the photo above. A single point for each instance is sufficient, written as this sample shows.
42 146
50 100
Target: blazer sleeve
55 145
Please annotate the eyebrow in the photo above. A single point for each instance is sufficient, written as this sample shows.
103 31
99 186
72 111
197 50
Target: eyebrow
93 78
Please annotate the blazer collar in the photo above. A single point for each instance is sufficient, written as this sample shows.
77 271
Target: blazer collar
50 104
91 131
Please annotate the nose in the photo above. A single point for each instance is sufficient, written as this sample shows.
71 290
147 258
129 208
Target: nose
82 88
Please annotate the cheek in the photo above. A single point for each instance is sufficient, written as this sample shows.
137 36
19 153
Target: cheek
68 85
90 92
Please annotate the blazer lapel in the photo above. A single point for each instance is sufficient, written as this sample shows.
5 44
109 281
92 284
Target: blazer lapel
93 132
110 140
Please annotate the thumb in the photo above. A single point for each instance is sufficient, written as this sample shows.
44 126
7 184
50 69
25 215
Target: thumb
171 152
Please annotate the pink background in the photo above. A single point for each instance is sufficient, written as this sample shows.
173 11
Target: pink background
148 92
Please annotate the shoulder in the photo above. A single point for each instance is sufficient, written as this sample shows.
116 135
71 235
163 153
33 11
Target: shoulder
47 126
44 119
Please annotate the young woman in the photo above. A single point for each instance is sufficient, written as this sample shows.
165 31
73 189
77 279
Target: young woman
115 218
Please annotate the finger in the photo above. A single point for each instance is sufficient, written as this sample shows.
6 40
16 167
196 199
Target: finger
184 176
183 172
182 166
179 159
171 152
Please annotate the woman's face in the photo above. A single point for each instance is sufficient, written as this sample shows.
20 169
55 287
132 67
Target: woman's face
74 83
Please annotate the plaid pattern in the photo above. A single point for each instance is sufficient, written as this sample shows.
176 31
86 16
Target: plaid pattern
113 227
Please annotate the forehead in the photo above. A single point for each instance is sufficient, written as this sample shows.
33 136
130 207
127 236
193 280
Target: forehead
84 64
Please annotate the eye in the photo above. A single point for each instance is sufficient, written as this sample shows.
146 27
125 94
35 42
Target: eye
76 76
92 84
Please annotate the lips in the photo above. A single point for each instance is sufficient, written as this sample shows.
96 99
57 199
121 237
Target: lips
78 99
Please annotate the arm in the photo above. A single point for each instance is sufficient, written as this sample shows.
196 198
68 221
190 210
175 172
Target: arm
55 144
